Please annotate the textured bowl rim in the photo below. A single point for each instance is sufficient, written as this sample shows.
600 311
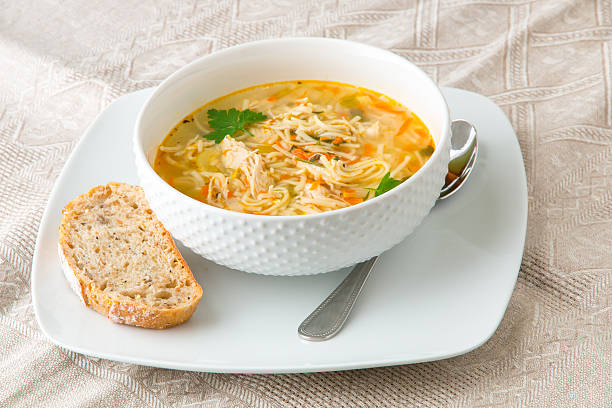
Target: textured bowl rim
388 55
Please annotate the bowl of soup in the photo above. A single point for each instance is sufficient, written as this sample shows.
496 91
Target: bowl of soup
293 156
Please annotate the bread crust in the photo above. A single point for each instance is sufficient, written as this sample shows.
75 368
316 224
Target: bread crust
122 310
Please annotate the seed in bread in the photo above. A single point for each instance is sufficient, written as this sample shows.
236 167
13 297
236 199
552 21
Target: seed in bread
121 262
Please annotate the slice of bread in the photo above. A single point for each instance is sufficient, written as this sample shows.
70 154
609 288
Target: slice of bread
121 261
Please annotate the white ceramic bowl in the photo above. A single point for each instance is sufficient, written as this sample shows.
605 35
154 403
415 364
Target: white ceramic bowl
305 244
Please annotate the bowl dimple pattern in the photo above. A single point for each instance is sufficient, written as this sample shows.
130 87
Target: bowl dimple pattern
296 245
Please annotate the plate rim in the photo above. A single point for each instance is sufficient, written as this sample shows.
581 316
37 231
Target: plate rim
253 369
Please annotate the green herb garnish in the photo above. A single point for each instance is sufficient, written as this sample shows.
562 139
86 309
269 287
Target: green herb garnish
427 151
228 122
387 183
350 101
309 162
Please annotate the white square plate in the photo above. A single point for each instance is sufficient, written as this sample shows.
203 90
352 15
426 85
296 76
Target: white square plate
420 304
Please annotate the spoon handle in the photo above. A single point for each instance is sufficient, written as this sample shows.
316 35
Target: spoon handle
327 319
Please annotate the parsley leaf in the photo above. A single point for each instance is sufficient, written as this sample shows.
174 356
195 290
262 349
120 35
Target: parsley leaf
228 122
387 183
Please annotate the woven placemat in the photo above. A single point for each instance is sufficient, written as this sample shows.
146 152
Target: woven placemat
546 63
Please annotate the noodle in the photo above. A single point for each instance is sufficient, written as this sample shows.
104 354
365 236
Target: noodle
322 146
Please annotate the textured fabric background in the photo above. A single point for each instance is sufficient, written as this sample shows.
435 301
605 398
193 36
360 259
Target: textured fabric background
547 63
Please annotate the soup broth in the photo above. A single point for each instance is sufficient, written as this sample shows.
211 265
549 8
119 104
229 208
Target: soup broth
294 148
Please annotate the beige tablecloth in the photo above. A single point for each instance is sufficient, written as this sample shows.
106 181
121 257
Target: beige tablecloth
546 63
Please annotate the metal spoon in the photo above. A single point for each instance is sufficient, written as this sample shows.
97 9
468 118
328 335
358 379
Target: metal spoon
464 149
327 319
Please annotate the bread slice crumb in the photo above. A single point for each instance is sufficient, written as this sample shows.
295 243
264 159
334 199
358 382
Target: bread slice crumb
121 262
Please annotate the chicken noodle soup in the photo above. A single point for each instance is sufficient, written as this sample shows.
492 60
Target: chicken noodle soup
293 148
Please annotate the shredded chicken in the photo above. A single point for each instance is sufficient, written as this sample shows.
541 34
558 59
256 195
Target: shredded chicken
236 156
321 146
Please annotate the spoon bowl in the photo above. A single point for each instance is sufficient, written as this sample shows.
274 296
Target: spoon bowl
464 150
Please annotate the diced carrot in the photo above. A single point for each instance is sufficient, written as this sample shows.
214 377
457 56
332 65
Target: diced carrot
271 98
404 126
328 155
348 193
353 200
299 153
334 89
380 105
229 194
315 185
337 140
205 191
384 107
414 165
421 132
369 149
